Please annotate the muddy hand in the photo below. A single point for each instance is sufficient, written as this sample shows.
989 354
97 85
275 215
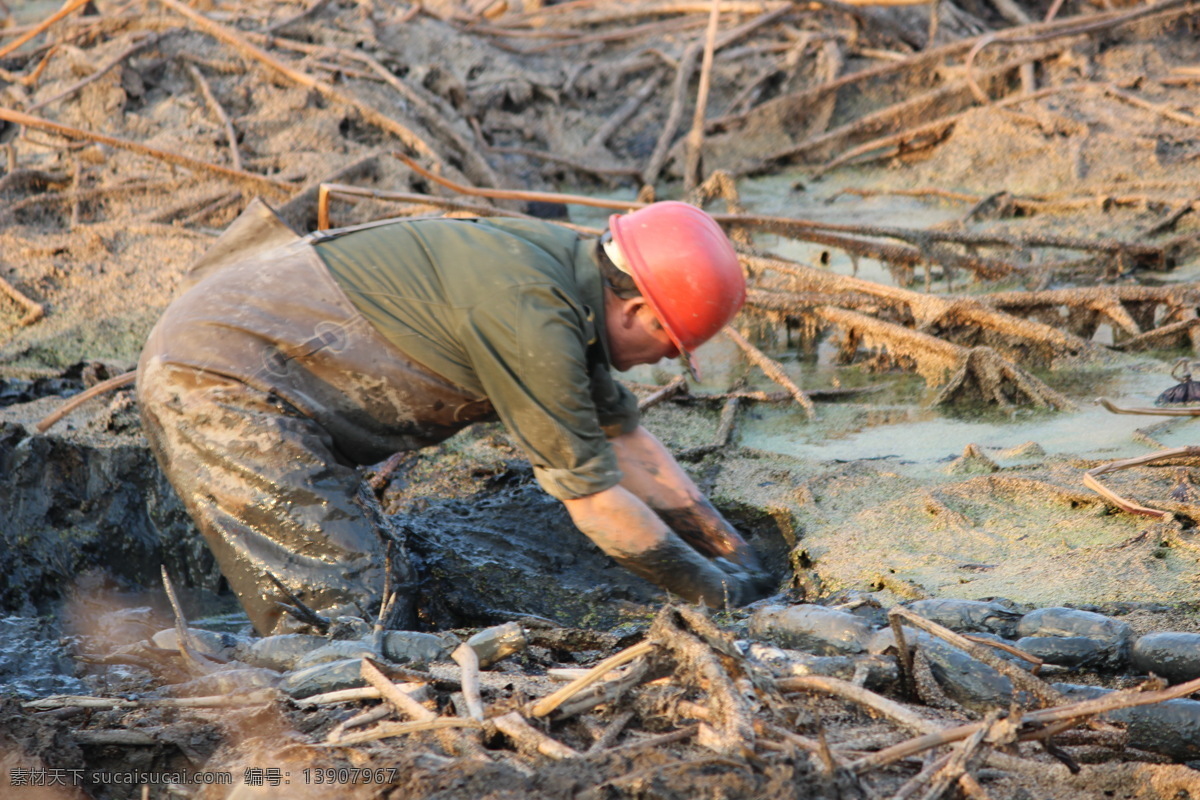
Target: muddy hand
753 583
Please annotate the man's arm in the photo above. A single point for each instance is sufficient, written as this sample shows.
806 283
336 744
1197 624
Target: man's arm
652 474
625 528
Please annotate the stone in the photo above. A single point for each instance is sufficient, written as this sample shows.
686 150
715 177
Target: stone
812 628
1173 656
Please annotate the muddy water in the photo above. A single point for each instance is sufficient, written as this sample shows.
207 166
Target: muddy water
870 488
898 423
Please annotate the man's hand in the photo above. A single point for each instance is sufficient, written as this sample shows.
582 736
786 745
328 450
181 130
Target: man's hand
626 529
754 583
653 475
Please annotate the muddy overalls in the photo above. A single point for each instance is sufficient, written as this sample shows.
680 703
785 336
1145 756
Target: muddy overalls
264 387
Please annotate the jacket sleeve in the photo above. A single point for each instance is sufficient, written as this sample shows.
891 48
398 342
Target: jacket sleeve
530 349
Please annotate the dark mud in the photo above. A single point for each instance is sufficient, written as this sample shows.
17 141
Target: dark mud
99 237
488 543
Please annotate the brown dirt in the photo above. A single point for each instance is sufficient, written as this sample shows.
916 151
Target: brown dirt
100 238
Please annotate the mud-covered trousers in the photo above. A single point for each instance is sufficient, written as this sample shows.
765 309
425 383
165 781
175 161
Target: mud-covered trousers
262 389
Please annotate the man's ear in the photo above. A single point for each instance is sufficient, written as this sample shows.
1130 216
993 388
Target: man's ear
629 309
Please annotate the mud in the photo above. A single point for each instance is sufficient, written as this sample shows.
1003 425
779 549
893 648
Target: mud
883 499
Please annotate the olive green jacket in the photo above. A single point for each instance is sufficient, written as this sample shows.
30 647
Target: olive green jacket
509 310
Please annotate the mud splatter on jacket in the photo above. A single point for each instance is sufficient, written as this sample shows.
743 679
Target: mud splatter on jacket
511 311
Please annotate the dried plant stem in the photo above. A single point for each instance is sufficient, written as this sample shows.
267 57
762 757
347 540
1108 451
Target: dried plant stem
618 118
810 230
70 7
193 661
664 27
91 701
230 198
1152 412
1008 648
683 76
312 9
575 15
1036 724
772 369
1161 110
132 50
935 130
516 194
1089 478
926 309
369 114
235 158
476 165
364 717
1044 692
573 163
549 703
342 696
266 185
529 738
611 731
75 402
468 660
1042 32
387 730
327 190
917 106
894 711
396 697
694 143
678 384
33 309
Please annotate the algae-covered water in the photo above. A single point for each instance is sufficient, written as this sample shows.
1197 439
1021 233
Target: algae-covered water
873 493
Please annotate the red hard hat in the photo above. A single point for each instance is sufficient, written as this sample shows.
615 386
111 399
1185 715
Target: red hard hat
685 267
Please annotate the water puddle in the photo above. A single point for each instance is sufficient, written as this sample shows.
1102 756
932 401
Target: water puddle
897 422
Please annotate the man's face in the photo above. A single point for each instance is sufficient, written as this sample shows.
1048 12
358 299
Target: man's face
635 336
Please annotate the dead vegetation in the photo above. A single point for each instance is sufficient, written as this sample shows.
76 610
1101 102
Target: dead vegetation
222 103
133 132
682 712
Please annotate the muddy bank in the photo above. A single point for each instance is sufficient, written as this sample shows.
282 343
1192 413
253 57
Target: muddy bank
489 544
992 229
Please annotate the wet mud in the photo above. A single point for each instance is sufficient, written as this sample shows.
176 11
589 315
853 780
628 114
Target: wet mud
1020 254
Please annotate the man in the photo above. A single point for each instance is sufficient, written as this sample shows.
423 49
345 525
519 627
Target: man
265 385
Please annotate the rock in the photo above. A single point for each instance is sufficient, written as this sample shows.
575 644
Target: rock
222 645
965 680
1071 651
281 652
225 681
1170 728
497 643
1073 622
405 646
812 628
1114 635
330 677
968 616
337 651
879 672
1173 656
881 641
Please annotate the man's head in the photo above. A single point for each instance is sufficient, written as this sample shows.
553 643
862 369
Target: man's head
673 280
